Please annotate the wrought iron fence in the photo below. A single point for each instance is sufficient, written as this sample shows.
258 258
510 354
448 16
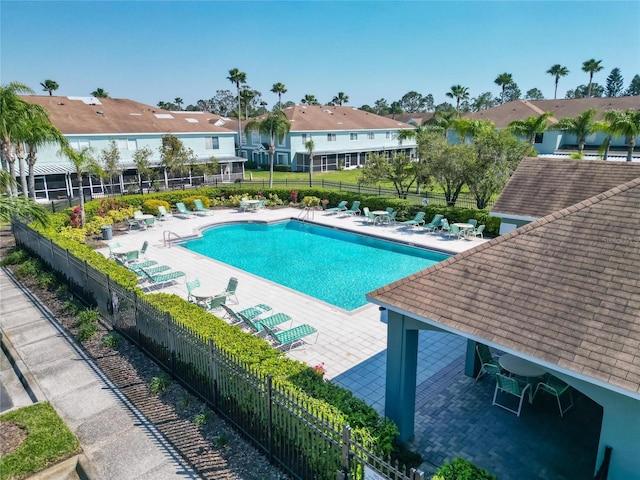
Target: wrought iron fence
279 422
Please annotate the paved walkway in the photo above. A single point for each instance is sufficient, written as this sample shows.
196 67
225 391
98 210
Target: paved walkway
116 438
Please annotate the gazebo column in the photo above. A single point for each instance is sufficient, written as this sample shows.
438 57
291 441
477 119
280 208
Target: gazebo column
402 359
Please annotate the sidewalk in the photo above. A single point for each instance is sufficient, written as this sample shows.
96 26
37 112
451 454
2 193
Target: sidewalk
118 441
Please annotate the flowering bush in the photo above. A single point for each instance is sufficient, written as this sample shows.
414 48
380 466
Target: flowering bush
75 217
319 369
294 196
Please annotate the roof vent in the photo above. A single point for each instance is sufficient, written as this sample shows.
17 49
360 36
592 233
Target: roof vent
99 112
60 103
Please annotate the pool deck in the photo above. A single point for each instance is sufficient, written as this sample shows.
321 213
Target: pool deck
454 415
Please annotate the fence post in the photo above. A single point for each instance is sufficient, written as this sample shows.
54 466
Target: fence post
213 366
270 417
170 341
346 444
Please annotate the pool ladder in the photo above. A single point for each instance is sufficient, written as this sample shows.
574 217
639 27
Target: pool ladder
166 238
307 213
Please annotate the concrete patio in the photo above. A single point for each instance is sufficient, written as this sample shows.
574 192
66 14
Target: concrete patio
454 415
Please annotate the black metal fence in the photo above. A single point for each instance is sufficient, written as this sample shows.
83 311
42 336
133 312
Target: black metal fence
279 422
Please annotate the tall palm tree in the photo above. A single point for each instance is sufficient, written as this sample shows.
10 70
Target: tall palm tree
581 126
83 161
274 125
442 121
41 134
557 71
459 93
49 86
606 126
530 127
279 88
340 98
100 93
247 95
503 80
178 101
309 146
591 66
309 99
627 124
18 208
237 78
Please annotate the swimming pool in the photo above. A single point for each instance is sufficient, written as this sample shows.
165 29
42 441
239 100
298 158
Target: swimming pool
331 265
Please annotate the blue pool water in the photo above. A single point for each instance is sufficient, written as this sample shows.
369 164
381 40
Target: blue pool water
331 265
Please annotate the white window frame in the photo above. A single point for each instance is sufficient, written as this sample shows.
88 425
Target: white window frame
331 137
303 137
388 136
353 136
255 137
79 144
281 158
371 135
212 143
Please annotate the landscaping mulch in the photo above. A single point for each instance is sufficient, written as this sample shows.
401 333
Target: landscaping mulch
213 448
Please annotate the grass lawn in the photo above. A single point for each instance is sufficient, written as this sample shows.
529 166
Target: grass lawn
48 440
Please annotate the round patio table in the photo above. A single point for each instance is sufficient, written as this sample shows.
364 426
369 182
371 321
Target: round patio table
522 368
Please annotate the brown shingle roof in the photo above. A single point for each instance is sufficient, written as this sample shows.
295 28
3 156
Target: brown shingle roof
540 186
73 116
310 118
503 115
564 289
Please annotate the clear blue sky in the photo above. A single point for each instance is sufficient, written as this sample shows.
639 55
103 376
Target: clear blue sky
159 50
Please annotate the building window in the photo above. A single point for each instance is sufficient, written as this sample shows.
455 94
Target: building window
388 135
281 158
303 137
354 136
539 137
282 141
331 137
255 137
212 143
79 144
370 135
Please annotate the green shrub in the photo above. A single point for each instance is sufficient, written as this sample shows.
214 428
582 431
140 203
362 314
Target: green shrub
86 331
151 206
189 201
15 256
281 168
111 340
46 280
460 469
159 385
30 268
88 315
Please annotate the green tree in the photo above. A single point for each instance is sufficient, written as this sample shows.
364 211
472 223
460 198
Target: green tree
442 121
503 80
49 86
174 156
591 66
395 109
615 84
512 92
238 78
498 154
100 93
557 71
279 88
634 86
178 101
399 170
534 94
582 91
340 98
606 126
309 146
18 208
381 107
581 126
483 101
412 102
141 159
449 166
530 127
83 162
460 93
627 124
309 99
421 134
110 158
466 129
274 125
248 96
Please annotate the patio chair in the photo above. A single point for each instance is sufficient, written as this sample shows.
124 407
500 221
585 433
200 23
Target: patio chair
488 364
243 205
354 209
255 311
417 220
230 314
138 214
455 230
199 208
510 386
182 210
391 218
444 226
162 213
230 291
477 231
472 221
132 222
138 265
434 223
288 339
161 279
216 302
258 326
112 246
150 270
143 250
341 207
368 216
150 222
556 387
191 285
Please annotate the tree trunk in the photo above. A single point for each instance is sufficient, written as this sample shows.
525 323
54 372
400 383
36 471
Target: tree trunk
22 168
310 171
272 151
31 162
632 144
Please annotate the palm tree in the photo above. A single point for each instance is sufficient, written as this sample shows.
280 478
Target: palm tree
530 127
591 66
310 100
100 93
310 145
49 86
459 93
503 80
178 101
237 77
19 208
557 71
279 88
626 124
606 126
581 126
275 125
340 98
247 95
442 121
83 161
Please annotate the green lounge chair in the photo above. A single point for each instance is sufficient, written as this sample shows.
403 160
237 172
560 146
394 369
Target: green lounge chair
288 339
162 213
150 270
444 226
139 265
259 325
434 223
199 208
161 279
195 283
255 311
341 207
354 209
417 220
182 210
